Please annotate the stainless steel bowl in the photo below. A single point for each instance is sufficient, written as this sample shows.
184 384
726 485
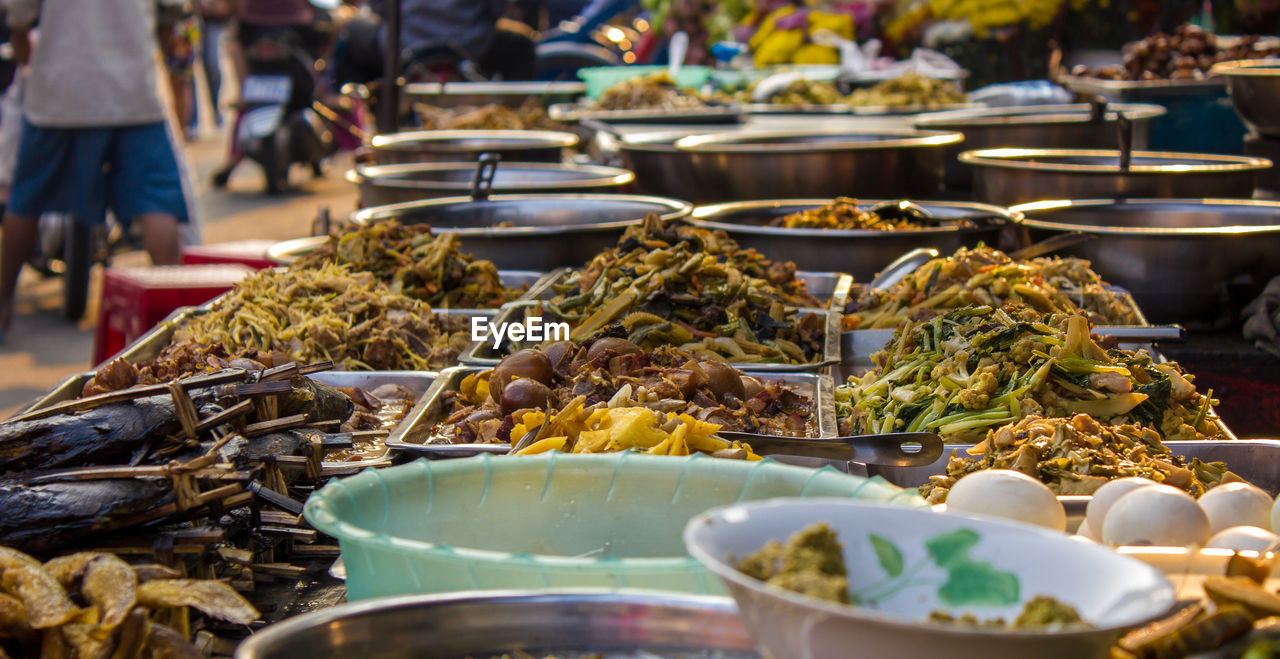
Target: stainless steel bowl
476 94
1015 176
861 253
754 165
1175 255
395 184
1073 126
467 145
531 232
485 625
1254 86
660 168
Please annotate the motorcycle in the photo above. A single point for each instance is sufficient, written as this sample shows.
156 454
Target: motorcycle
277 125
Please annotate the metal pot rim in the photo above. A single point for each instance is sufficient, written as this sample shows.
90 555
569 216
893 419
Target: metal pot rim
1011 158
274 635
1034 115
497 140
676 209
1026 218
1259 68
704 216
513 88
732 142
603 176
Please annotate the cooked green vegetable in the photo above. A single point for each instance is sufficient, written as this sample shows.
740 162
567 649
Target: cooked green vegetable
695 289
983 275
976 368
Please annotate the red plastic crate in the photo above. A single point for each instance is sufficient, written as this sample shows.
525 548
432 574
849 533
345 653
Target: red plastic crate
135 299
252 253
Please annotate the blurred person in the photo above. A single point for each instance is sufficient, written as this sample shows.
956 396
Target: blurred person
179 33
94 136
470 27
215 19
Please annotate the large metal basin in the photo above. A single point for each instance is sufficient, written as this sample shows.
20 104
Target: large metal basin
1015 176
660 168
491 624
537 232
1177 255
861 253
394 184
467 145
1074 126
781 165
1254 86
475 94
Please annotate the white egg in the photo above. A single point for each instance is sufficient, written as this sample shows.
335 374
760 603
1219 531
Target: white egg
1158 515
1275 516
1103 498
1244 538
1236 504
1009 494
1085 531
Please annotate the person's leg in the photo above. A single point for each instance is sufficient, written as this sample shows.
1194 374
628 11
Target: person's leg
145 186
16 246
210 60
58 170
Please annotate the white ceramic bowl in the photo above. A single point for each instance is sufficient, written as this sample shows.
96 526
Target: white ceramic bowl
902 570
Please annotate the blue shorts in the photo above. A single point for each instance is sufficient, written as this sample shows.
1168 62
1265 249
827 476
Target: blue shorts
83 172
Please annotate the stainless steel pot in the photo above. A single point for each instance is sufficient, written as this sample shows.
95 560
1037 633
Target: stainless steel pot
1254 86
467 145
395 184
531 232
861 253
1175 255
476 94
1015 176
752 165
1076 126
491 624
660 168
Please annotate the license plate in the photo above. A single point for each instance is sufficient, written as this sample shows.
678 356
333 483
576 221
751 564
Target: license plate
266 89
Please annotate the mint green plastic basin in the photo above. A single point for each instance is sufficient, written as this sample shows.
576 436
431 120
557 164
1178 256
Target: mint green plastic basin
600 78
549 521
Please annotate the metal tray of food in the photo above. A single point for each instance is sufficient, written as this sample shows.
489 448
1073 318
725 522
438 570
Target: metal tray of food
798 108
726 114
894 110
414 433
1139 89
511 94
483 353
418 382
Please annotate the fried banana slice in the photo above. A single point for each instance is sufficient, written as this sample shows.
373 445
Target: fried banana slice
111 585
66 568
12 613
133 635
87 641
154 571
213 598
46 601
11 558
164 643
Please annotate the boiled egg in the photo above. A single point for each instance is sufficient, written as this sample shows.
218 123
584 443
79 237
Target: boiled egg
1157 515
1236 504
1008 494
1244 538
1105 496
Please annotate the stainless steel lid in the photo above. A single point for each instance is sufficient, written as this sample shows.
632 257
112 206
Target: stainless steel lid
512 177
529 213
1107 162
1154 217
807 141
1035 115
474 140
